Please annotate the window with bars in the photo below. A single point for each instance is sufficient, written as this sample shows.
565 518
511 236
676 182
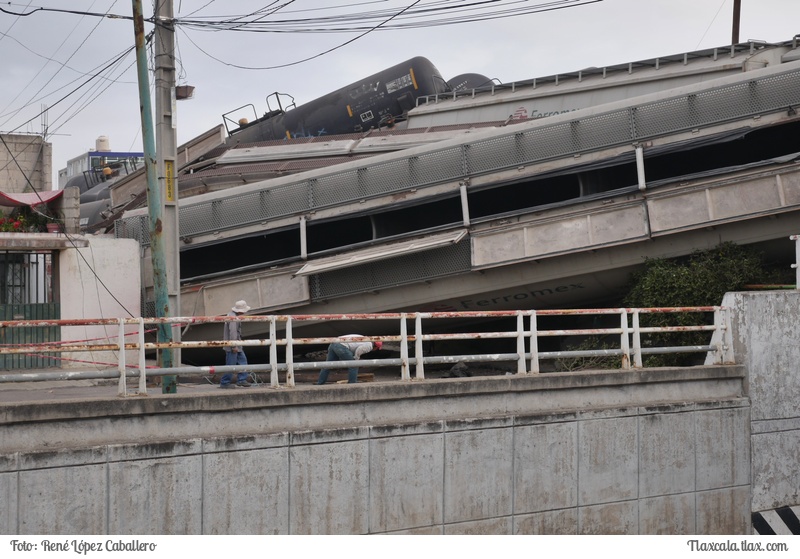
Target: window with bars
25 278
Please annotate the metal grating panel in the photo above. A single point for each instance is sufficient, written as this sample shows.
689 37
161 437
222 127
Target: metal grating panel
148 307
383 178
774 91
552 142
327 191
609 129
436 167
667 116
289 199
193 219
488 155
237 209
403 270
757 95
137 227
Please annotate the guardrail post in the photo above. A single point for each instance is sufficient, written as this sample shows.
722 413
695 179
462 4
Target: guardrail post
405 374
289 354
418 346
122 390
624 341
534 344
722 320
273 354
719 333
796 265
521 365
637 341
142 360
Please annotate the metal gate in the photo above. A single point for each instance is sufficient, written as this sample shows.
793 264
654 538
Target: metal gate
26 293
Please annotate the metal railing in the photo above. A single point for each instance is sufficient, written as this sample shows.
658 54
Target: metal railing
748 49
527 335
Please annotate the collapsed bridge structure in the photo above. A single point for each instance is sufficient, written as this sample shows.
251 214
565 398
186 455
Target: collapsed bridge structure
454 209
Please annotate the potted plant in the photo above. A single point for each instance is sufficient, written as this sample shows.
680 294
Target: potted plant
55 226
54 221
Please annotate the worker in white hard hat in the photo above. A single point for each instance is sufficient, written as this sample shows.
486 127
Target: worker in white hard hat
234 355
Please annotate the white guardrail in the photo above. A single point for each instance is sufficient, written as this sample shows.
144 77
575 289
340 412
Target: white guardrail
629 333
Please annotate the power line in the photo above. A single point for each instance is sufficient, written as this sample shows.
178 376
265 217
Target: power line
62 65
13 24
92 78
314 56
710 24
63 11
356 22
482 10
427 15
115 61
417 14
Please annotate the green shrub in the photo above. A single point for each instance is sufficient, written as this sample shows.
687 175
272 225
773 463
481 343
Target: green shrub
700 279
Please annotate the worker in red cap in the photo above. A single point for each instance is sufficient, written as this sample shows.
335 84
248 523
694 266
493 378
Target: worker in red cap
346 350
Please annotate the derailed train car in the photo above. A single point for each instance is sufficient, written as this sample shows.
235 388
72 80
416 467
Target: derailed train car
378 100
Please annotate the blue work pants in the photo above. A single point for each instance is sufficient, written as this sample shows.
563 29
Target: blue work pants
339 352
234 358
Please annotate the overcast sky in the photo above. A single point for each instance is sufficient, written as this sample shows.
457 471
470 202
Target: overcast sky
46 55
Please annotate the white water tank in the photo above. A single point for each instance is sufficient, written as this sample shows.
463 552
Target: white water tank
102 144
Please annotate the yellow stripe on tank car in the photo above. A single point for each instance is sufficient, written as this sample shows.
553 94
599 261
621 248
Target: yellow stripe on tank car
349 110
413 78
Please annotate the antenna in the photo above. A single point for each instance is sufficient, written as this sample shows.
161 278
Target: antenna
44 113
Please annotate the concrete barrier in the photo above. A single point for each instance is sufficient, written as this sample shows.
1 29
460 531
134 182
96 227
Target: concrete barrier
766 334
635 452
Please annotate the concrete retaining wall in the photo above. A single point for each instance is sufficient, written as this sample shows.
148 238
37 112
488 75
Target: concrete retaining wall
647 452
766 333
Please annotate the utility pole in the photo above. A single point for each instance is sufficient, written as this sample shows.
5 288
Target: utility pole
167 150
737 11
162 186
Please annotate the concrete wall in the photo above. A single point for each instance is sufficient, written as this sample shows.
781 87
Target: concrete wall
643 452
101 280
766 333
